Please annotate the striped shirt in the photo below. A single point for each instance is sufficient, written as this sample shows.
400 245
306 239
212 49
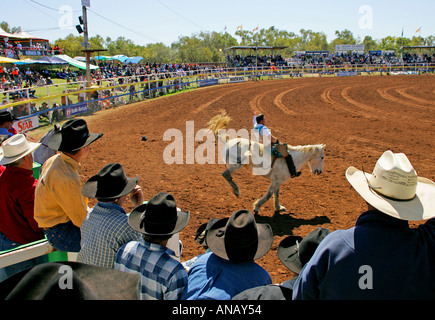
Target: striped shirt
104 230
162 277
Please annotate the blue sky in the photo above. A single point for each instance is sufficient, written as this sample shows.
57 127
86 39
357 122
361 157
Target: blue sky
151 21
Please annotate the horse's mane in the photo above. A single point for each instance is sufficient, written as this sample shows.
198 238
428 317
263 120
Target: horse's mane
307 148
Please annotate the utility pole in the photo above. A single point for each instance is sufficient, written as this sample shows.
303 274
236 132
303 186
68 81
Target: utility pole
86 3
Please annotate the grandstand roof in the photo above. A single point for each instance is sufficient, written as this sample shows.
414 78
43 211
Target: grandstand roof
255 48
417 47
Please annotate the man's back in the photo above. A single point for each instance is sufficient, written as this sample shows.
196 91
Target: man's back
380 258
213 278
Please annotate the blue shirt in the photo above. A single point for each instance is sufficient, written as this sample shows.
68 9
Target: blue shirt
104 230
380 258
162 277
213 278
5 132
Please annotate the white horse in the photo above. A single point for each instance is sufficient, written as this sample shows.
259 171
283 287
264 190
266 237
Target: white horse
239 152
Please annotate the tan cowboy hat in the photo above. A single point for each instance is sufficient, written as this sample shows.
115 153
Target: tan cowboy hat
395 189
15 148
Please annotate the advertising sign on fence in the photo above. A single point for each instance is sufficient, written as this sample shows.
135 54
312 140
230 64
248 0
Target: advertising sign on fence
80 108
26 124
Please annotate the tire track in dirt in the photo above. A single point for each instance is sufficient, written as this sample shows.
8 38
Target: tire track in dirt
255 102
403 93
278 100
326 97
384 94
369 109
207 104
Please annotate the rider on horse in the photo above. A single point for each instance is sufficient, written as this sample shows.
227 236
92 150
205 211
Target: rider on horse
278 150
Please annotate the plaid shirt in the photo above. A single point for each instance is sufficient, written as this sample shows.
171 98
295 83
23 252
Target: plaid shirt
162 277
103 232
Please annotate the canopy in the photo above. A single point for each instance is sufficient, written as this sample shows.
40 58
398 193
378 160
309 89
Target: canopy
8 60
102 58
51 60
133 59
25 36
75 63
27 61
120 57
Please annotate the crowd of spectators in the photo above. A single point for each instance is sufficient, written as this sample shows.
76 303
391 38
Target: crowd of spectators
16 50
361 59
251 61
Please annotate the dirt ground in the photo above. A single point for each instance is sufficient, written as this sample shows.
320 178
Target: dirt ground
358 118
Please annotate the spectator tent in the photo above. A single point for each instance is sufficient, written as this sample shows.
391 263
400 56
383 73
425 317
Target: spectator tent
75 63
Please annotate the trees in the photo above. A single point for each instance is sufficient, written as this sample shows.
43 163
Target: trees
208 46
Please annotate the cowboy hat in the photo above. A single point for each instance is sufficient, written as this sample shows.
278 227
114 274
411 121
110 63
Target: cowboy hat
7 116
239 238
73 136
87 282
15 148
110 183
295 251
159 216
394 188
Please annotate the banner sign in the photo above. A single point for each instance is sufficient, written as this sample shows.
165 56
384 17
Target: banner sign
237 79
80 108
209 82
349 47
26 124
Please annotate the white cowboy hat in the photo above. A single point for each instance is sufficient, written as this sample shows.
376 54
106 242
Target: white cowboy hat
394 188
15 148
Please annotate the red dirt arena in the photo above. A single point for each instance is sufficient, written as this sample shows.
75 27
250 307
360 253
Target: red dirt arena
358 118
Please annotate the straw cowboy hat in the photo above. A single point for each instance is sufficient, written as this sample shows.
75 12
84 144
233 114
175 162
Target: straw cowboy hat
239 238
73 136
110 183
159 216
295 251
395 189
15 148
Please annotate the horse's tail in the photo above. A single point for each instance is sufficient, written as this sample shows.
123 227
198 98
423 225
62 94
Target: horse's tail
219 122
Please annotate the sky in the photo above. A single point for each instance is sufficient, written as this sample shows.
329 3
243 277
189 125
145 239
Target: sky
152 21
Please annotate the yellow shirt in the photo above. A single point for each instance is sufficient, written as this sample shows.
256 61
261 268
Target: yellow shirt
58 194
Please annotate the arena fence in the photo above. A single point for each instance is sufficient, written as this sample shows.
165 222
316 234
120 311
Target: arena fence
70 99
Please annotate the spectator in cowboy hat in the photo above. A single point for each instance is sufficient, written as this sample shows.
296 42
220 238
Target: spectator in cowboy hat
294 252
105 228
381 257
60 207
6 121
162 276
236 242
17 194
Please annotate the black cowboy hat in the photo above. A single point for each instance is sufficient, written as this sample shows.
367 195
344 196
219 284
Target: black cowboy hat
239 238
73 136
7 116
159 216
110 183
295 251
202 230
88 283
